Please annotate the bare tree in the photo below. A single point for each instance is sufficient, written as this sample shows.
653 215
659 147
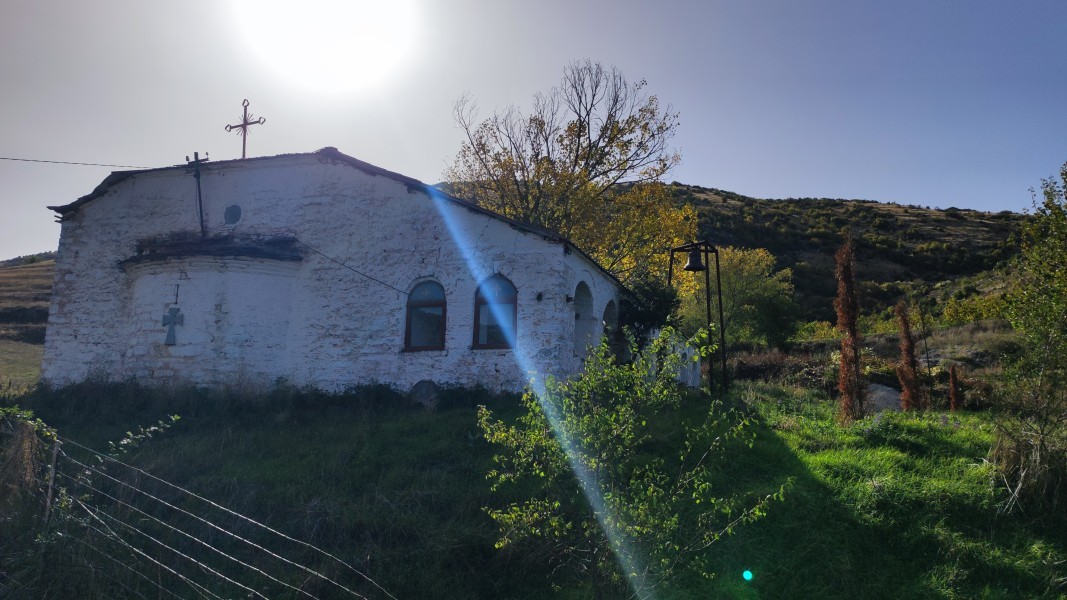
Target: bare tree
586 162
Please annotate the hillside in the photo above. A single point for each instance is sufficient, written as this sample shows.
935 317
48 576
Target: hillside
900 248
25 291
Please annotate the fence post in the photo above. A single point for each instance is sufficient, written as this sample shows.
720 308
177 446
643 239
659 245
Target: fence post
51 482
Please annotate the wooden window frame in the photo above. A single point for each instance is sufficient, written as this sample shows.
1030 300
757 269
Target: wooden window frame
480 300
409 305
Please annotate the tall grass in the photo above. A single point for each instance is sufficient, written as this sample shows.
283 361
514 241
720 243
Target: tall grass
893 506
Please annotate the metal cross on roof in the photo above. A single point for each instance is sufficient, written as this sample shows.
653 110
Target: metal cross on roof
242 127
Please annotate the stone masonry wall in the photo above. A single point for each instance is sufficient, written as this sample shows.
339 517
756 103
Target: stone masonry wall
333 319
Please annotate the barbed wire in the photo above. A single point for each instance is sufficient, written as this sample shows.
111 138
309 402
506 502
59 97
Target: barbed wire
237 515
110 534
196 562
184 534
128 567
223 530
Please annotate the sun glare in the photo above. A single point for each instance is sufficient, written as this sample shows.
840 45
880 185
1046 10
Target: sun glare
328 46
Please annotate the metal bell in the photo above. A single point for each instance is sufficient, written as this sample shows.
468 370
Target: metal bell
695 262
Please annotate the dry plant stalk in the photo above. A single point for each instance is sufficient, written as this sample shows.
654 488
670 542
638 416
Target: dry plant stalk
850 382
955 392
911 397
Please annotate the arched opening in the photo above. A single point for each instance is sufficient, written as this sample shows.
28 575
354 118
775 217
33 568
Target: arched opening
425 323
495 313
585 322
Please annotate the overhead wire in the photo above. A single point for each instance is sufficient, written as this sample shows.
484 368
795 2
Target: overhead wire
309 246
65 162
330 258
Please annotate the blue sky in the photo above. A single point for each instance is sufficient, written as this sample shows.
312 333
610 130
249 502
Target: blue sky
934 102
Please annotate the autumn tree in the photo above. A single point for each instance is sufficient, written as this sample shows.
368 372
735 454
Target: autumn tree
908 368
586 162
850 379
757 299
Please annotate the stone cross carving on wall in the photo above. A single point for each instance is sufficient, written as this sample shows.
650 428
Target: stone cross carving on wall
171 319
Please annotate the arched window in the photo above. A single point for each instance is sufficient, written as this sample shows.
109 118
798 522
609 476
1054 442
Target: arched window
425 328
495 308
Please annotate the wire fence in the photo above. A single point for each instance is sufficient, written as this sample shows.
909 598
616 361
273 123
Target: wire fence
136 535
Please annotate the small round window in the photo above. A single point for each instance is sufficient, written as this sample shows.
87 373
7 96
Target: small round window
233 214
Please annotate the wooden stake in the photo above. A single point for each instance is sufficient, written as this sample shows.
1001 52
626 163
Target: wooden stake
51 482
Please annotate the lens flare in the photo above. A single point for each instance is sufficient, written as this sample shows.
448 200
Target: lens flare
624 555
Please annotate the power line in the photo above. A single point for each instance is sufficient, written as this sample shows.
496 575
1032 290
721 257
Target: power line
330 258
333 260
64 162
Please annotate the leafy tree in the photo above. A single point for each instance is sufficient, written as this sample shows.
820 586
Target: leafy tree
1031 449
608 501
816 331
972 309
587 162
850 378
757 300
651 307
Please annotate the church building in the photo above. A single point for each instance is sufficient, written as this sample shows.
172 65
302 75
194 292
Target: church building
317 268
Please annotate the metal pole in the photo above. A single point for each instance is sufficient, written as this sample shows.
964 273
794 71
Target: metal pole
707 306
670 268
199 197
722 323
51 482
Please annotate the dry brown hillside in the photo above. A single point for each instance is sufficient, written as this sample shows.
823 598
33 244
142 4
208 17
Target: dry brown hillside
901 249
25 291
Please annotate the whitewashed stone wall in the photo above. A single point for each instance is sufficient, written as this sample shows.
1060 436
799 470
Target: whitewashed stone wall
312 321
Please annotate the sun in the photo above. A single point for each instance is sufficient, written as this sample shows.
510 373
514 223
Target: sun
328 46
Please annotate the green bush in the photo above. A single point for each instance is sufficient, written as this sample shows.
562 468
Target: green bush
621 488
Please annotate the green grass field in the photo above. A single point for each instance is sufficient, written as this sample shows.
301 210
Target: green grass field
20 363
897 506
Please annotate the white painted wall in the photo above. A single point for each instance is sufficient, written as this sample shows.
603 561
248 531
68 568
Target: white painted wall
312 321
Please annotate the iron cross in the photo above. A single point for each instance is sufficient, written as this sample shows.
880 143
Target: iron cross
171 319
242 127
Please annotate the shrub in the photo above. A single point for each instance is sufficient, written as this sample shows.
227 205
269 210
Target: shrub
608 501
1031 448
